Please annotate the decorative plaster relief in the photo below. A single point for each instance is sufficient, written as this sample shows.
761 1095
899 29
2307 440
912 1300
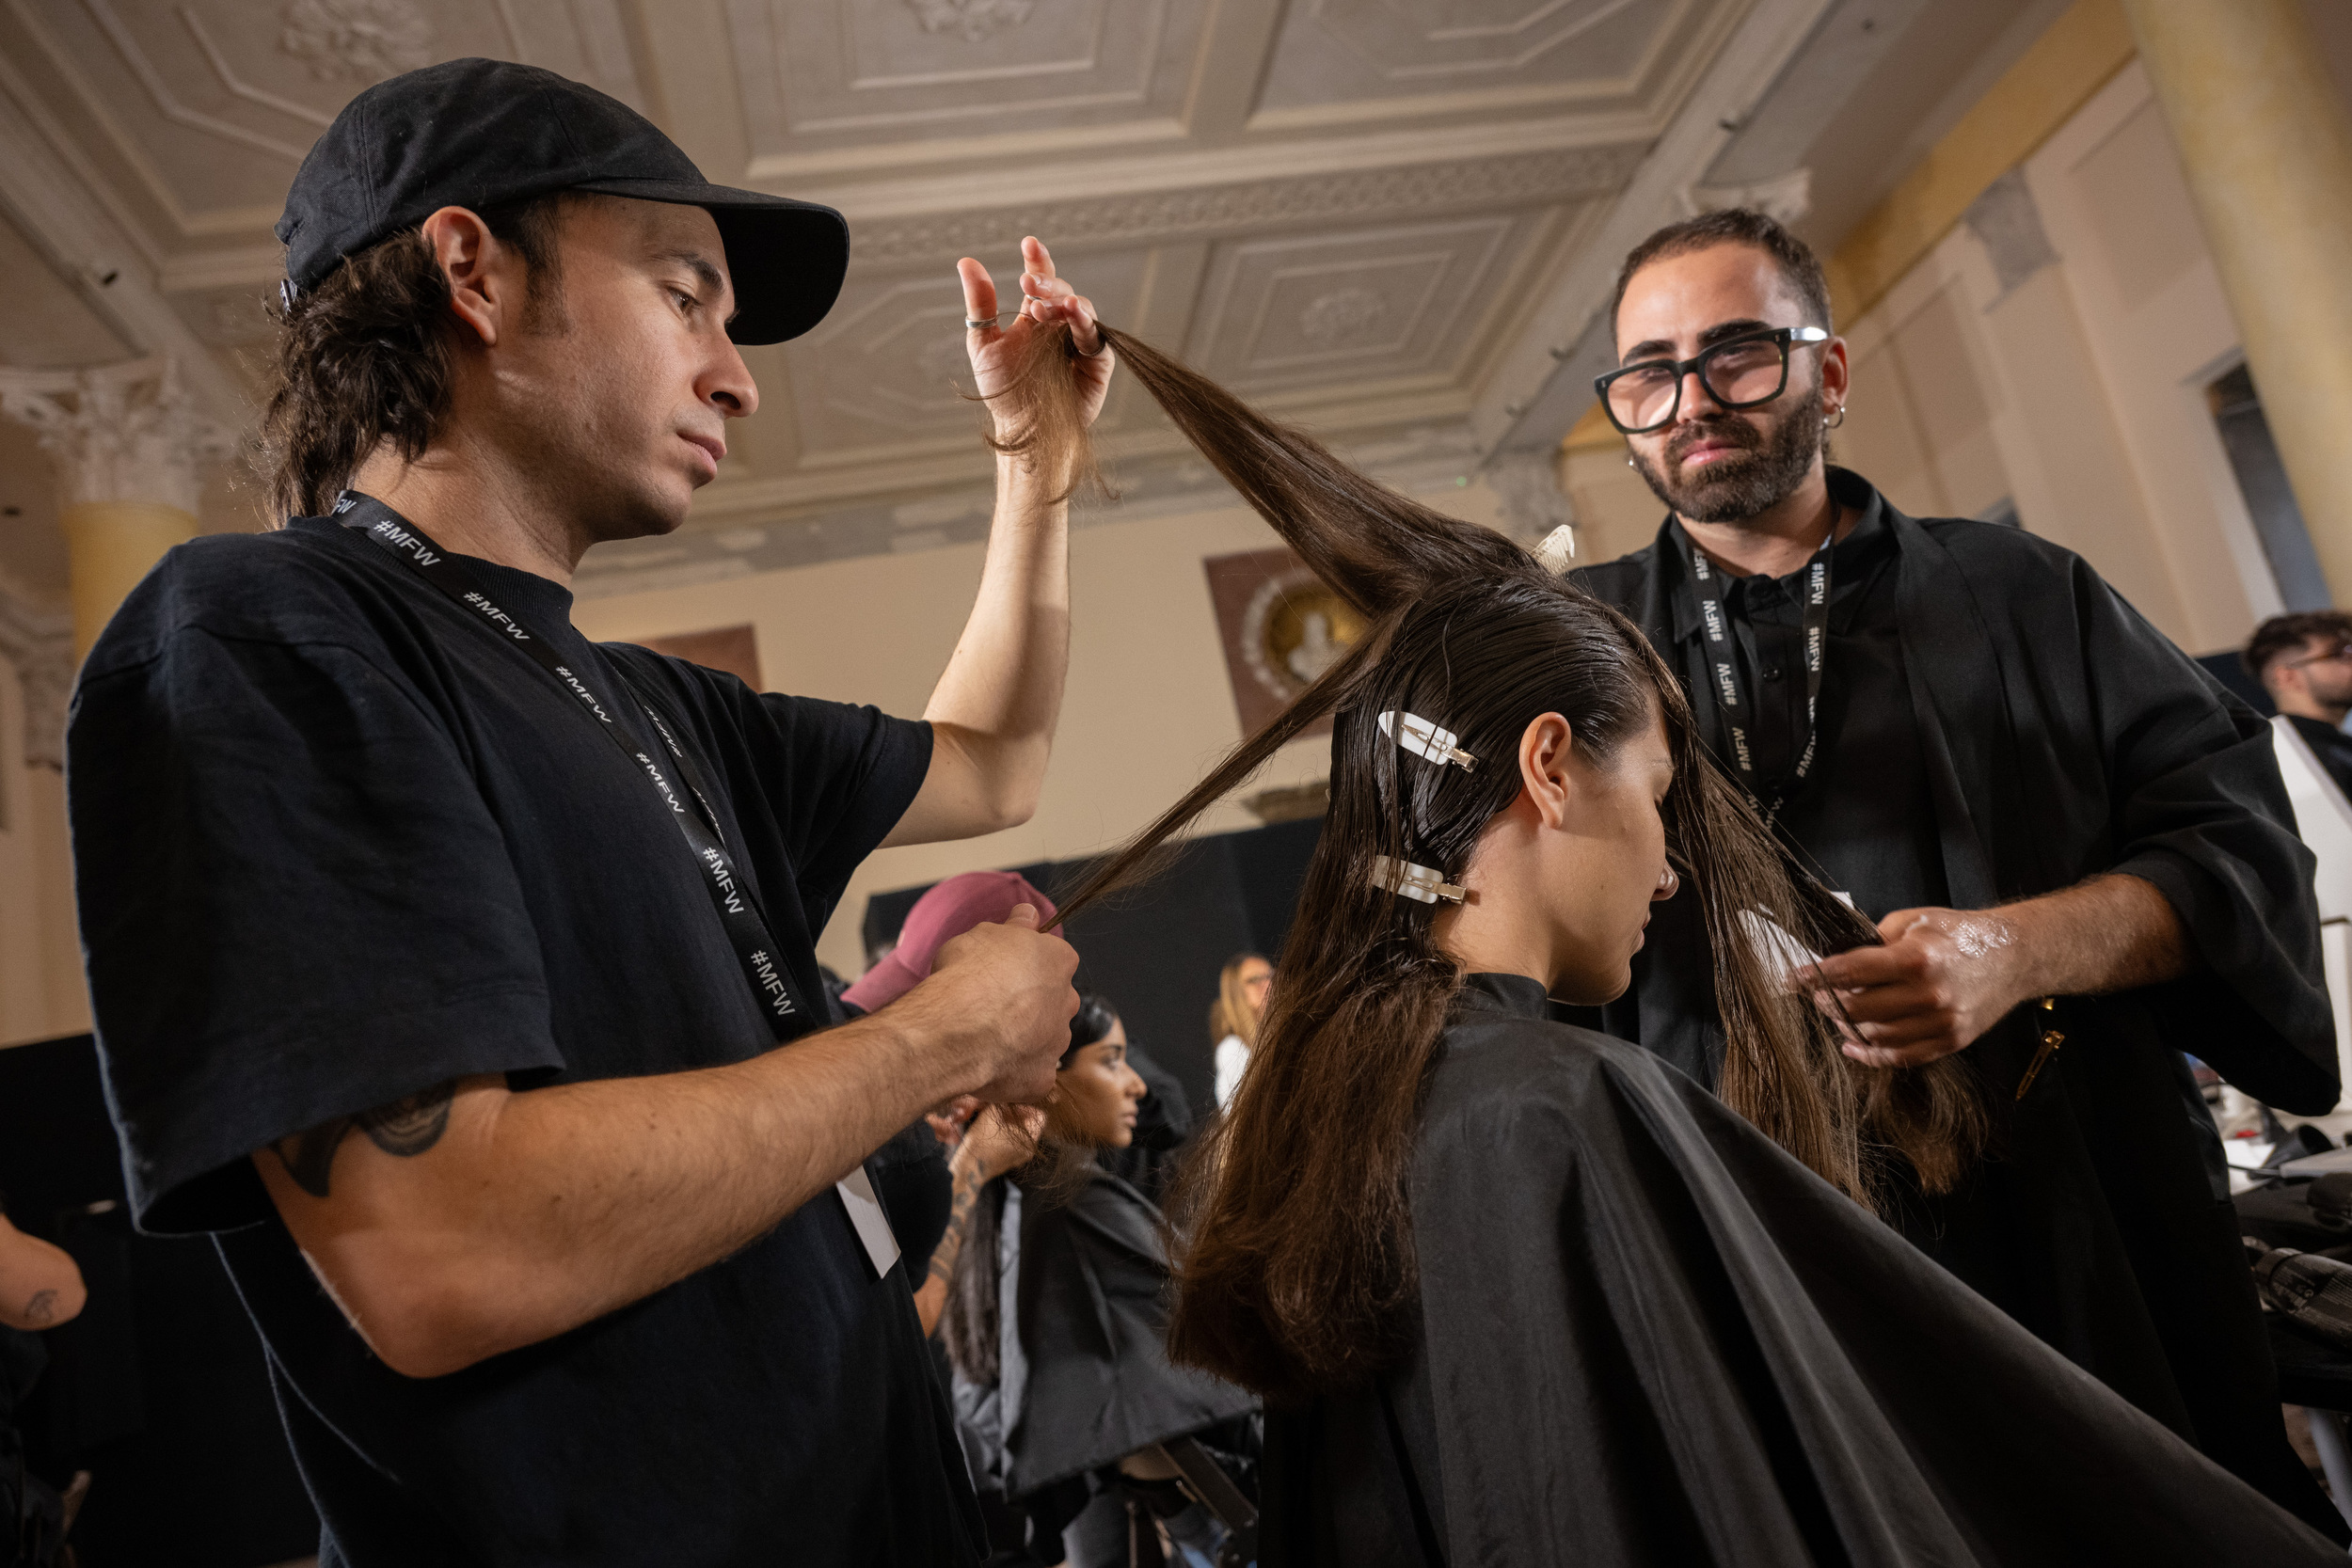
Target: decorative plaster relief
117 433
1341 316
1357 306
974 18
1332 51
1517 179
39 643
361 40
815 76
1528 483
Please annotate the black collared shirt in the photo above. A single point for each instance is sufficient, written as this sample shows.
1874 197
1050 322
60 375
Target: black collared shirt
1862 817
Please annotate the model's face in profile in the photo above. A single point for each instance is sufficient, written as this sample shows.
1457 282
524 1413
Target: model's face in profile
1711 464
1095 1097
623 383
1257 978
1604 863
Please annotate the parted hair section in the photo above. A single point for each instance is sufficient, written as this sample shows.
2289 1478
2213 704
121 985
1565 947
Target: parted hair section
364 360
1298 1274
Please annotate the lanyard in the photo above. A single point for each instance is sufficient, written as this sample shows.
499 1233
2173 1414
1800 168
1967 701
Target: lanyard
730 895
1731 688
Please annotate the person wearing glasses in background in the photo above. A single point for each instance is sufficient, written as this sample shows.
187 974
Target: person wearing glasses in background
2074 844
2305 662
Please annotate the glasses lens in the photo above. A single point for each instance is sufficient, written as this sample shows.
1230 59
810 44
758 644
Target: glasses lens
1642 396
1746 373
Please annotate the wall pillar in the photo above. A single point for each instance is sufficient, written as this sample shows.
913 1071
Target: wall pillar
127 444
2268 148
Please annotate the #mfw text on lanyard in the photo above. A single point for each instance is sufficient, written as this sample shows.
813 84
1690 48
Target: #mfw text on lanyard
1731 688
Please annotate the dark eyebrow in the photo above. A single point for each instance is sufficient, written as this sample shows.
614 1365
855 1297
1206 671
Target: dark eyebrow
709 275
1658 348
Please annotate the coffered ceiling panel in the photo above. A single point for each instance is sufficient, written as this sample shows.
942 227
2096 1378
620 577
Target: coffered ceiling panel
888 368
215 102
818 75
1359 307
1337 51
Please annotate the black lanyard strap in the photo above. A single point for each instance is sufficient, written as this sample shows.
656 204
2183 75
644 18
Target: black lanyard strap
730 895
1731 688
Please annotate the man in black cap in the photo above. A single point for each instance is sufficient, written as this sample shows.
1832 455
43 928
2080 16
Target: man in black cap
369 840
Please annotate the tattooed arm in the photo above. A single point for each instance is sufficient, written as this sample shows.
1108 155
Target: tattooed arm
467 1220
999 1138
39 1285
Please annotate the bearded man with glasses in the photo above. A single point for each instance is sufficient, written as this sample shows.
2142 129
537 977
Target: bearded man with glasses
2074 842
2305 662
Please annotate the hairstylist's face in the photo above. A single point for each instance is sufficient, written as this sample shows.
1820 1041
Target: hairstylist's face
612 394
1711 464
1095 1097
1601 853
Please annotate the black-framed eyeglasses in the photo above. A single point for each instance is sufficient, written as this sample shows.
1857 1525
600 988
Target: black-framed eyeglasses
2339 651
1739 372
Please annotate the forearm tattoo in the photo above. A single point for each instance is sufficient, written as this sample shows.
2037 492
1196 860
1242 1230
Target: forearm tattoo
41 1311
407 1127
967 1197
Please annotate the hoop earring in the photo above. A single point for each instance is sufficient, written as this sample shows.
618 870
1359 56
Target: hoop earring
1836 419
1628 460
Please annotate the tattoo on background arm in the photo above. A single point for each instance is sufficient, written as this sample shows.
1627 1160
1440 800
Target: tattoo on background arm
40 1309
407 1127
958 1224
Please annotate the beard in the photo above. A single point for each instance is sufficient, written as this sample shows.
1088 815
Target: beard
1752 481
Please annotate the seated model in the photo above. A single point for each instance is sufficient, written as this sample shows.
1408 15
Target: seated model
1056 1323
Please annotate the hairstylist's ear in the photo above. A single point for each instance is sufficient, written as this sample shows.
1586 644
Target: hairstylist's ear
1544 767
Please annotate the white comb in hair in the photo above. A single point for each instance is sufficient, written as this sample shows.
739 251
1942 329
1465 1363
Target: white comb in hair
1424 740
1556 550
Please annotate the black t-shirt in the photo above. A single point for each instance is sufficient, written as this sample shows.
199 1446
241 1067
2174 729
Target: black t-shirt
336 843
1861 816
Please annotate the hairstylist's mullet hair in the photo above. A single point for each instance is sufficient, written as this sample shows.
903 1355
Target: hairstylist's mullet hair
1735 226
363 359
1300 1275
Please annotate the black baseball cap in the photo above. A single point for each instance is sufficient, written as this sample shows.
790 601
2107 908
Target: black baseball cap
478 132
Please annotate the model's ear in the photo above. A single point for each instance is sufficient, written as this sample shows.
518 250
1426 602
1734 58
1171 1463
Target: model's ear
1544 767
486 284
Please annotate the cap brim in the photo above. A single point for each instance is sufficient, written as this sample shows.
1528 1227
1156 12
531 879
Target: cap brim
786 258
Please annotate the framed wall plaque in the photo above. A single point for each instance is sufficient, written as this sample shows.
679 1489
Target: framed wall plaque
1280 626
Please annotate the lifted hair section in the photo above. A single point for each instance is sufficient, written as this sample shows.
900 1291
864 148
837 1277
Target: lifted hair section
1300 1274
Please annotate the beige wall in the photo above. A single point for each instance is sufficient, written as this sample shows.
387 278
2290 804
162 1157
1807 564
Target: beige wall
41 993
1148 705
2077 395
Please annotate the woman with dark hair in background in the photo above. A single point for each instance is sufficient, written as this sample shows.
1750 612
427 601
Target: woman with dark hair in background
1241 990
1056 1326
1518 1292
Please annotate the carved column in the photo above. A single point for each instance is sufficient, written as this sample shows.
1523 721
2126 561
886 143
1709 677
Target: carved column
41 646
1534 503
2267 150
127 444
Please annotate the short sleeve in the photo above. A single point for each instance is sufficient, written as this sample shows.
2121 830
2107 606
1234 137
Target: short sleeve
295 906
832 778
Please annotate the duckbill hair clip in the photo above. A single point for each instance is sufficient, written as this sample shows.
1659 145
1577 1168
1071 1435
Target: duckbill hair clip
1414 881
1557 550
1424 740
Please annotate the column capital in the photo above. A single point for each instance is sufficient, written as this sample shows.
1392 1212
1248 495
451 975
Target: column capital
117 433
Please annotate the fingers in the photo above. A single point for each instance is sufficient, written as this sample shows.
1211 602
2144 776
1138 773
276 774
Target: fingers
1022 916
1860 967
1896 1056
979 293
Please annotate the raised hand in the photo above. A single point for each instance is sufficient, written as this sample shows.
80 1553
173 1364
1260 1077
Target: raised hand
998 347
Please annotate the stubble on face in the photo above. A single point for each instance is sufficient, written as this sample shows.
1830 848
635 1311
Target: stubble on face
1772 463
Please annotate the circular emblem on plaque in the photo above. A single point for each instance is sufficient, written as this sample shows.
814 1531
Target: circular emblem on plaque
1295 628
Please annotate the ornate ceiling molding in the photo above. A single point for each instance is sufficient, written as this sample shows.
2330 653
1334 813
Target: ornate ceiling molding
1523 180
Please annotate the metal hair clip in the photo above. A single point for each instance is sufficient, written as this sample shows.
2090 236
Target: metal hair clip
1426 739
1414 881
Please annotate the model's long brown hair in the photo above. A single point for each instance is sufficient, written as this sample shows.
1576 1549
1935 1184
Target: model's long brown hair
1230 1013
1300 1274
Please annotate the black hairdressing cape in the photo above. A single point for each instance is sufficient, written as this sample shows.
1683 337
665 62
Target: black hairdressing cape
1084 1378
2062 736
1648 1335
